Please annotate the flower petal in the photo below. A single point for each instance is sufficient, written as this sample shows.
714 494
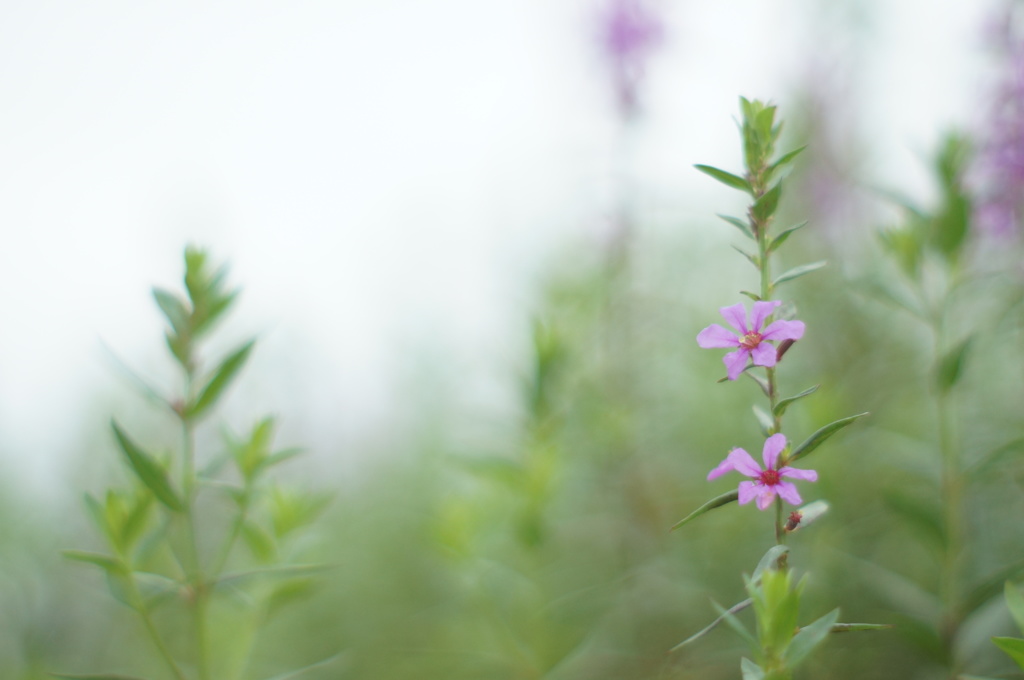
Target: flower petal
761 311
748 490
764 354
735 362
764 499
788 493
772 448
717 336
723 467
784 330
736 316
796 473
743 463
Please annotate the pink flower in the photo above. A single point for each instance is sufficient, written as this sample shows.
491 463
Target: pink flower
752 340
767 482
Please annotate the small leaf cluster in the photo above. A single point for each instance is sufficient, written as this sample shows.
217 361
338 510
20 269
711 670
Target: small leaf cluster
1014 647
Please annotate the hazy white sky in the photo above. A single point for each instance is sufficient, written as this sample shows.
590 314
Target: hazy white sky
385 176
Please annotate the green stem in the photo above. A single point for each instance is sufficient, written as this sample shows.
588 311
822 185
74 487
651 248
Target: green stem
196 578
158 641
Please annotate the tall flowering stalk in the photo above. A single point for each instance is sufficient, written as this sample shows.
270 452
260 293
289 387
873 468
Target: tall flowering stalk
758 343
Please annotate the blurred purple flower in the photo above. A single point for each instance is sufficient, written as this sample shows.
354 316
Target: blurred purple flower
767 481
630 31
999 165
752 340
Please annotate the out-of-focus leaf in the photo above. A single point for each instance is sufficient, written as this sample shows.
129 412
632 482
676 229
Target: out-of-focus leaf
753 296
994 457
222 377
734 623
783 236
311 667
750 670
761 382
95 676
765 206
951 366
785 159
1014 647
784 404
108 563
770 560
140 384
924 637
819 437
726 178
926 520
797 272
752 259
854 627
260 542
716 502
148 471
809 637
738 607
174 309
739 224
286 572
764 421
991 587
1015 602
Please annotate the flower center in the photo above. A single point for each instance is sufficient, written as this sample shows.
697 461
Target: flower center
750 340
769 477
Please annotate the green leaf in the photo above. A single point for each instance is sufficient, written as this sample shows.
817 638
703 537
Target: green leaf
259 540
797 272
279 573
992 586
716 502
994 457
753 296
810 637
739 224
765 206
736 608
730 618
175 311
1014 647
781 407
783 235
762 383
764 421
770 560
786 159
819 437
108 563
751 671
854 627
951 366
95 676
313 666
219 382
752 259
148 471
726 178
1015 602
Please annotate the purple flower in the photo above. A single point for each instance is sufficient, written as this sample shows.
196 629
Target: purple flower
752 340
768 481
629 32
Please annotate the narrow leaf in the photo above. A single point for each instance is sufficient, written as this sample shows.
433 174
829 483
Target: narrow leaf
753 296
994 457
786 158
762 383
228 369
716 502
951 366
148 471
770 560
750 670
750 258
94 676
1014 647
764 421
783 235
991 586
819 437
781 407
797 272
285 572
735 624
726 178
739 224
106 562
810 637
174 309
1015 601
853 627
311 667
765 206
738 607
